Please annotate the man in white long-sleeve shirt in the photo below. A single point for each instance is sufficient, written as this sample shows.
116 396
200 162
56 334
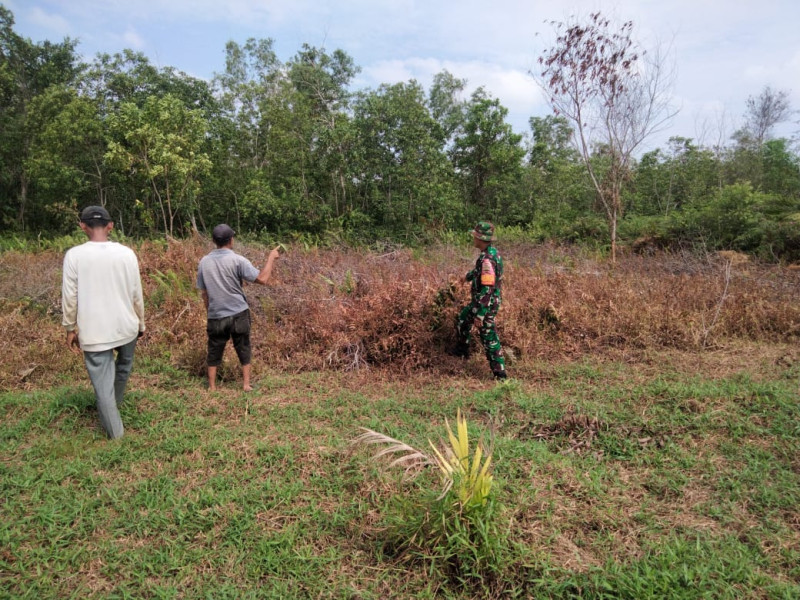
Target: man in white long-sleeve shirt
103 312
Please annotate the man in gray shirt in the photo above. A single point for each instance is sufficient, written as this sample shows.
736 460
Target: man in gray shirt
220 277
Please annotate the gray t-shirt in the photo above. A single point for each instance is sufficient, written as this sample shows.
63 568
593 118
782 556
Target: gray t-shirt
221 273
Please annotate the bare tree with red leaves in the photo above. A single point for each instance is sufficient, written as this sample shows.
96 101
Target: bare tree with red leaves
614 96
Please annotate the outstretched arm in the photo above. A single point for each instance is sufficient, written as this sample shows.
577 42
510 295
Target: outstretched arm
266 270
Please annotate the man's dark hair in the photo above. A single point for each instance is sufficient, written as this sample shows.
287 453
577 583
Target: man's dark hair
222 234
95 223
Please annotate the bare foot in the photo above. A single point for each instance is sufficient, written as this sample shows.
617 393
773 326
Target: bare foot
248 388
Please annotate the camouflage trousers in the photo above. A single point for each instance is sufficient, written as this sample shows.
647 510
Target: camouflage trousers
488 334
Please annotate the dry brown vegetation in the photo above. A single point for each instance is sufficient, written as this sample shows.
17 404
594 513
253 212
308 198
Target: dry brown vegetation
347 309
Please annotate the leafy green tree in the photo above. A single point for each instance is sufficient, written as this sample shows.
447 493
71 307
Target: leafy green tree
128 79
747 158
556 190
160 144
284 141
67 156
781 170
551 143
241 133
487 155
252 76
128 76
321 81
402 174
27 69
732 218
445 106
665 181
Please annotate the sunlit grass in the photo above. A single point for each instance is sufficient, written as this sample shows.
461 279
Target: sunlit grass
610 480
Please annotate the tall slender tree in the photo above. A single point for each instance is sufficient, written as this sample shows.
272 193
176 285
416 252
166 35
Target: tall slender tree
614 96
446 106
161 144
763 113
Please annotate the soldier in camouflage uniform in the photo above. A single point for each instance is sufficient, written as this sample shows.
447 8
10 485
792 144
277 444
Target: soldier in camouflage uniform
486 279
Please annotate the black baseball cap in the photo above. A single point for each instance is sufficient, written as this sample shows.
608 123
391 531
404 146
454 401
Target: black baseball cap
222 233
95 213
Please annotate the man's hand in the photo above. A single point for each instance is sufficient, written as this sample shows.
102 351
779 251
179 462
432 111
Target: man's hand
477 322
266 270
72 342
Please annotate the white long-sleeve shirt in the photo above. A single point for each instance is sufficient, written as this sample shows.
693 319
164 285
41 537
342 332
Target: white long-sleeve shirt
101 295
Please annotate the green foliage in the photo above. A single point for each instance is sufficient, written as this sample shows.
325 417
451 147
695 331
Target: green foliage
403 174
737 218
453 532
467 475
468 552
161 143
40 244
170 286
27 70
487 156
280 148
260 209
667 181
66 154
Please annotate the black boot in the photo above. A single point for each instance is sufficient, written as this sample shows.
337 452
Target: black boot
499 375
461 349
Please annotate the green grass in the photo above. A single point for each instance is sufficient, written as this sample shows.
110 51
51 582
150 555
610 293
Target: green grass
688 488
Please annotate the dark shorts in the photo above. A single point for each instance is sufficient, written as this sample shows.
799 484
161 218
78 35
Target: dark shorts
236 328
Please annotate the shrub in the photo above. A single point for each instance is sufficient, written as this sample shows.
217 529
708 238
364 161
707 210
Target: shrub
345 308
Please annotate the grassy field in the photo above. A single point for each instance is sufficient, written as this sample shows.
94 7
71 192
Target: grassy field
644 471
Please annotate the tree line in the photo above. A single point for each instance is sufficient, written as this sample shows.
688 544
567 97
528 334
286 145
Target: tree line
275 147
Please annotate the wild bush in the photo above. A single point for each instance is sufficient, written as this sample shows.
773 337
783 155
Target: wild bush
350 309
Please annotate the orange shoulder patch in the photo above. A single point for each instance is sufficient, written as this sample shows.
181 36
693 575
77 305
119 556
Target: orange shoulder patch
487 273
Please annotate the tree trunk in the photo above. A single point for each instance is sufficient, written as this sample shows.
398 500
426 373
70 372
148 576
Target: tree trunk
613 228
23 200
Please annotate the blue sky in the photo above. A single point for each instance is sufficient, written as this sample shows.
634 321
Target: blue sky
723 51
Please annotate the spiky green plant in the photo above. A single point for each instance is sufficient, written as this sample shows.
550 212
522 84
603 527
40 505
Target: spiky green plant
469 475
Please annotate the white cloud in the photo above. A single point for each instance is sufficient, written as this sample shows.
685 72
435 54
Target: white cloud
133 40
50 22
515 89
241 12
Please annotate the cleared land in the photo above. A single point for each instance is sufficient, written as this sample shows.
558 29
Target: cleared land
647 446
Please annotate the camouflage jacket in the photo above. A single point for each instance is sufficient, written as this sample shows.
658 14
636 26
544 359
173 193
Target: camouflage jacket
487 281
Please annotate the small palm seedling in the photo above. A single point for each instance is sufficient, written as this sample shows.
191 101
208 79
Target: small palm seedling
459 535
469 475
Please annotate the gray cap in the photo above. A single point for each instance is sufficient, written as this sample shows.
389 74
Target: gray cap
222 233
